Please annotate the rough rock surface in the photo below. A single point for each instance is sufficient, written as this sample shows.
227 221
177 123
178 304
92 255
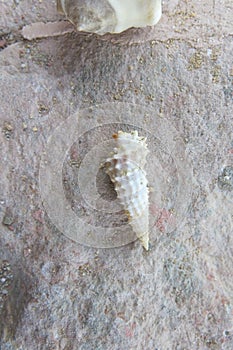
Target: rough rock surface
179 295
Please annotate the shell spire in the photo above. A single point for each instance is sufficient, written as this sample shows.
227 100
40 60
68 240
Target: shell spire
126 170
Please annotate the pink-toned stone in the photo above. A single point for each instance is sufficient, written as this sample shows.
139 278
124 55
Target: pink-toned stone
179 295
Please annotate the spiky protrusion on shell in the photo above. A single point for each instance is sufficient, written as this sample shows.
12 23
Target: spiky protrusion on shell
126 170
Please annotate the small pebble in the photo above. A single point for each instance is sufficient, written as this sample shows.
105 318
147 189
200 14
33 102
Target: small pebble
8 219
225 180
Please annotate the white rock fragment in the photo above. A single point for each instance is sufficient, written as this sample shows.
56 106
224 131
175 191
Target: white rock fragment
43 30
110 16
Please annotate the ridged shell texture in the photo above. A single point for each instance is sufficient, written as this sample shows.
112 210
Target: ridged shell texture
126 170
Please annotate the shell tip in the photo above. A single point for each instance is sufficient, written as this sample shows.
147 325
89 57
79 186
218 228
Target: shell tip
145 242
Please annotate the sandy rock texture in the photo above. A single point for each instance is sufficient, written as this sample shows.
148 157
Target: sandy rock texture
58 294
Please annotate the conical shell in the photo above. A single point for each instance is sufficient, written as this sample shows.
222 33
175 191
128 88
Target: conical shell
110 16
126 170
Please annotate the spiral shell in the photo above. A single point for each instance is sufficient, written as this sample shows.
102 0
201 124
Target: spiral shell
126 170
110 16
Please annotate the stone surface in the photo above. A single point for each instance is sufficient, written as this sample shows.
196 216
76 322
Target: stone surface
179 294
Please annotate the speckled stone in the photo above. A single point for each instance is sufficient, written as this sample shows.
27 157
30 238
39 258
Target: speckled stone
179 294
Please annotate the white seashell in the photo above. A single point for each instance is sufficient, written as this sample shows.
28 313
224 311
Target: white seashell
126 170
110 16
